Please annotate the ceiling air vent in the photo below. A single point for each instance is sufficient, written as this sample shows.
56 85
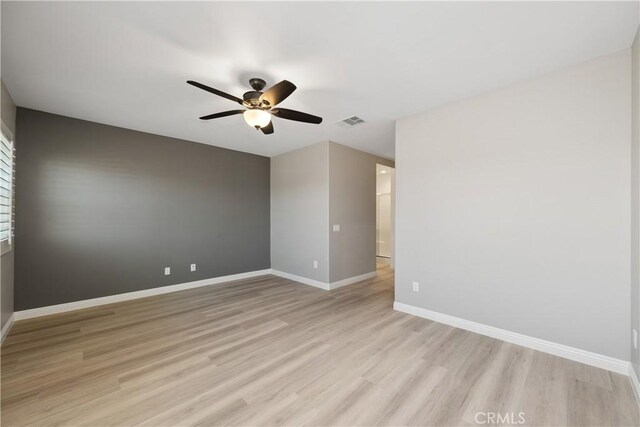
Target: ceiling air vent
350 122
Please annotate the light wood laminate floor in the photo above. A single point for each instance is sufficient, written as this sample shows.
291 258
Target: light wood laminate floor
269 351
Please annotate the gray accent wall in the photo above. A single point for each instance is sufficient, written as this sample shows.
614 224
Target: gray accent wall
352 205
102 210
8 111
513 207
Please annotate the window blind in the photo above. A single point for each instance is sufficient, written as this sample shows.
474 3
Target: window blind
6 190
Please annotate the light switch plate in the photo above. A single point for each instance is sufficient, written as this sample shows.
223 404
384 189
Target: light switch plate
336 227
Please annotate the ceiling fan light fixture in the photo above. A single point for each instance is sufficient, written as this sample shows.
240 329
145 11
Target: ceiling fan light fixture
257 118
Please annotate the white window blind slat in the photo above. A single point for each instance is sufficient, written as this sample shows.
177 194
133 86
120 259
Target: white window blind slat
6 190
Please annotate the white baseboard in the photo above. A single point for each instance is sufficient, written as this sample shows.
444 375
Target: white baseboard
571 353
94 302
635 384
351 280
77 305
324 285
306 281
7 327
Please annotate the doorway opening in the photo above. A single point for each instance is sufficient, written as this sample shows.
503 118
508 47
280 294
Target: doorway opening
385 183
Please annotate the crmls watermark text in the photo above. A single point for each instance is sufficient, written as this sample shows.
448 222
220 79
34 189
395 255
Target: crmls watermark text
500 418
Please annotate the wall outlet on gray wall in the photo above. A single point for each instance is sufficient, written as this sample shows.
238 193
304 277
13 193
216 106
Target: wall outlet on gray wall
167 271
416 287
315 264
193 267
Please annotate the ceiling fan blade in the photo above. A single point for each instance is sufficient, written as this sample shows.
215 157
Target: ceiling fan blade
223 114
298 116
278 92
215 91
268 129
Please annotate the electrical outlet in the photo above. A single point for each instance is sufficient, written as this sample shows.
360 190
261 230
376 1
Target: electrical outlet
336 227
416 287
167 271
315 264
193 267
635 339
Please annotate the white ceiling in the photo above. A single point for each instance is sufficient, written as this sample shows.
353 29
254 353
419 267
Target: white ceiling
126 64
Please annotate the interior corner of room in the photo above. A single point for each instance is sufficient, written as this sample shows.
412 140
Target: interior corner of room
324 197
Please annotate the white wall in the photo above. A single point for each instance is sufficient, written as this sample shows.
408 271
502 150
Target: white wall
635 196
300 212
352 205
513 207
393 219
384 232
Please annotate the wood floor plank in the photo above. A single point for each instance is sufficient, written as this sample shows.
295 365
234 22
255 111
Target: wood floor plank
269 351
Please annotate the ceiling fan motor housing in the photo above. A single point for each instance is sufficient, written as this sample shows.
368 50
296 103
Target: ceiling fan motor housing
252 98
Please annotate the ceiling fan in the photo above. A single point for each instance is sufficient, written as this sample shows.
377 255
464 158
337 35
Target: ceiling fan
259 106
